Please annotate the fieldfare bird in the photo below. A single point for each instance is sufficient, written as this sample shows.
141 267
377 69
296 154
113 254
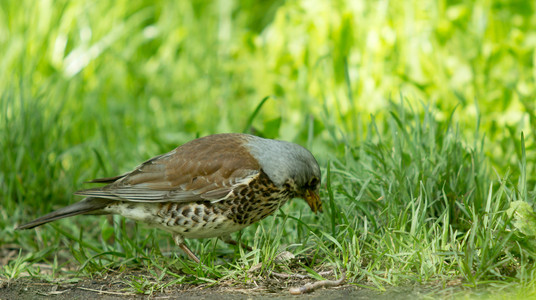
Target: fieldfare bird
209 187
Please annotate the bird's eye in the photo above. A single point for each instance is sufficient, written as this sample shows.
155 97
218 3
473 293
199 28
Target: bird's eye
313 182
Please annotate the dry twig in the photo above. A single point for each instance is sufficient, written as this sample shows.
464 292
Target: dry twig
309 287
300 276
106 292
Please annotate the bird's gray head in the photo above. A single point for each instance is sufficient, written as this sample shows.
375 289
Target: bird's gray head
283 161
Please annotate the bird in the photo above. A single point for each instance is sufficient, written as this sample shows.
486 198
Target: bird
209 187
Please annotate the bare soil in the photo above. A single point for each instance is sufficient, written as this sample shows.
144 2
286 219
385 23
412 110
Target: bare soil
115 288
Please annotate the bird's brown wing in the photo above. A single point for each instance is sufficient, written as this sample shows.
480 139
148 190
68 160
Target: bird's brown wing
205 169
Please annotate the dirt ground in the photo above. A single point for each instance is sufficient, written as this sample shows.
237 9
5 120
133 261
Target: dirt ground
26 288
118 285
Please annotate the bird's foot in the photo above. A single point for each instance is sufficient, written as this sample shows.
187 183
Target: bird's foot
179 240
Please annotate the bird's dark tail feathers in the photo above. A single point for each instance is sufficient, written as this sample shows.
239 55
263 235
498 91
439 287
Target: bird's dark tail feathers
87 206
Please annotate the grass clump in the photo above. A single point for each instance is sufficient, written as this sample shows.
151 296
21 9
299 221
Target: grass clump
415 202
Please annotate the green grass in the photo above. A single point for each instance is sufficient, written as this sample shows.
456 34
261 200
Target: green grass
420 114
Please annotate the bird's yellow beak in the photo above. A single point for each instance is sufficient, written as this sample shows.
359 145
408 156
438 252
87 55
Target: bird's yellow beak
313 199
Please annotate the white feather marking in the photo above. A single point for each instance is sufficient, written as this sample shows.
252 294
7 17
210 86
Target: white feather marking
242 182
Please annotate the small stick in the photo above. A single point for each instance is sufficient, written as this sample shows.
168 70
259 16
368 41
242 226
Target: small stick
283 275
300 276
309 287
106 292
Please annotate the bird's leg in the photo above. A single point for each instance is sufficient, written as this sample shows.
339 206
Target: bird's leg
179 240
227 239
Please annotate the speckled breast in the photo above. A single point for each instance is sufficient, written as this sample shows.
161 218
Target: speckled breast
203 219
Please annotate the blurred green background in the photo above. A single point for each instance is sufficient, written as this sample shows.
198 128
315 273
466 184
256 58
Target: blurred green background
91 88
165 71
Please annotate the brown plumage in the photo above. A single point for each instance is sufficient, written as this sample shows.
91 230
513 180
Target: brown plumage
209 187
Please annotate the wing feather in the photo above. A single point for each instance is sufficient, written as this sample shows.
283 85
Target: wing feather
208 168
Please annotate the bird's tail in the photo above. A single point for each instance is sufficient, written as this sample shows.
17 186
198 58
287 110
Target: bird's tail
87 206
